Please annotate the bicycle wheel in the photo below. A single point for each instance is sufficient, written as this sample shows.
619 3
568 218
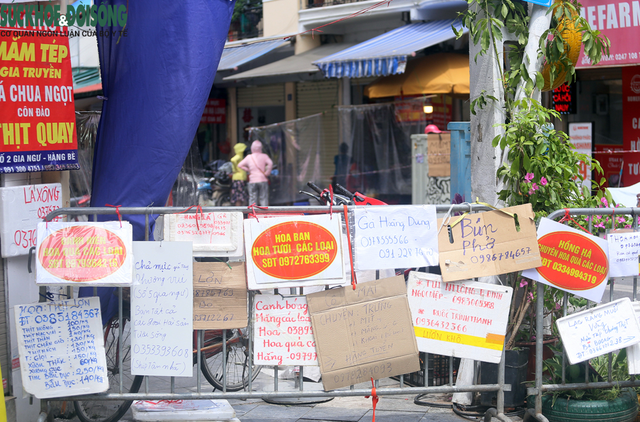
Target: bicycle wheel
112 410
237 360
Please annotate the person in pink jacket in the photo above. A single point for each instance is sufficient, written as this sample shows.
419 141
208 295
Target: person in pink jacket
258 165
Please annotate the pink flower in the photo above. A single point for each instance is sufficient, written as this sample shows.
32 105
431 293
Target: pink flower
557 306
627 226
530 296
601 225
529 177
523 282
531 191
535 187
604 201
621 219
543 181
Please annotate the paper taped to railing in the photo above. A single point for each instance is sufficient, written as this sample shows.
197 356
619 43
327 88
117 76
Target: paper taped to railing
21 209
488 243
219 295
633 352
294 251
624 251
91 254
282 333
599 330
61 348
395 237
162 309
212 233
572 260
463 319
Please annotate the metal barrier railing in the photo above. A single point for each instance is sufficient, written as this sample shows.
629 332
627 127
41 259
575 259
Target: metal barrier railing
539 389
173 394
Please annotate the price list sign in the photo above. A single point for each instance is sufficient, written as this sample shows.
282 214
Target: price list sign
61 348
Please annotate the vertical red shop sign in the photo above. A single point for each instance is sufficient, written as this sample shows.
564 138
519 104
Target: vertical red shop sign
215 111
631 124
37 112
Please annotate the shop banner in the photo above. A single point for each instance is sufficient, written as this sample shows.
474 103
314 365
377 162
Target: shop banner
581 136
600 330
212 233
219 295
282 333
21 209
91 254
294 251
215 111
624 253
395 237
572 260
462 319
631 124
37 112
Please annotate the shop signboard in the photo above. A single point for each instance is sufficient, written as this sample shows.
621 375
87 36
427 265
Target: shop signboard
37 112
215 111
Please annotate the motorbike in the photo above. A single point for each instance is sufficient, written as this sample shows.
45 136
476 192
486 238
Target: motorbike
216 189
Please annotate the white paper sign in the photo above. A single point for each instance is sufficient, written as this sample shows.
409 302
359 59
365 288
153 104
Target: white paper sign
462 319
624 251
283 333
633 352
294 251
21 209
61 348
212 233
395 237
162 309
581 136
599 330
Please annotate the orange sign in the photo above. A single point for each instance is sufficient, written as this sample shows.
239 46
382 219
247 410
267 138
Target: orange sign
294 250
82 253
572 261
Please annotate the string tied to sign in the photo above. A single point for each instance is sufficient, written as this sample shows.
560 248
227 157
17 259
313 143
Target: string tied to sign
346 221
253 207
567 217
117 207
198 210
374 399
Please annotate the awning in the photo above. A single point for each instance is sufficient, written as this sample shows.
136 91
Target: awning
300 63
234 56
441 73
86 79
387 54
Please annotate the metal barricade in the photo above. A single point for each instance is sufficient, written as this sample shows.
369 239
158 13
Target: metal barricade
248 392
540 389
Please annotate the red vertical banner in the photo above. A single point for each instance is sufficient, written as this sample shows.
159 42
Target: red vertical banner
37 112
631 125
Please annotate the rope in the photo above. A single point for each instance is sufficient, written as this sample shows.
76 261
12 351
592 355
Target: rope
198 209
117 207
374 399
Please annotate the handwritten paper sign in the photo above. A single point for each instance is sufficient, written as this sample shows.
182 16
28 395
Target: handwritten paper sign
212 233
439 152
61 348
162 309
572 260
624 253
219 295
489 243
633 352
599 330
463 319
94 254
294 251
283 333
21 209
395 237
364 333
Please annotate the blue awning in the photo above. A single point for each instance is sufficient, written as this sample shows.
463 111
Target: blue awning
235 56
387 54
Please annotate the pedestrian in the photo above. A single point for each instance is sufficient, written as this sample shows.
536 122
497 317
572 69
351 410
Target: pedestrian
239 177
259 166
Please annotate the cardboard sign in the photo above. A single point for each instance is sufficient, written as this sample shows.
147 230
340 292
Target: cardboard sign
38 126
212 233
395 237
364 333
61 348
599 330
21 209
624 252
162 309
91 254
282 332
572 260
438 152
294 251
463 319
219 295
489 243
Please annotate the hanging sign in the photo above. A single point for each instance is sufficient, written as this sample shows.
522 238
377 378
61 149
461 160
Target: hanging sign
162 309
282 333
572 260
212 233
94 254
489 243
581 136
462 319
395 237
61 348
293 251
624 253
599 330
564 99
38 122
21 209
